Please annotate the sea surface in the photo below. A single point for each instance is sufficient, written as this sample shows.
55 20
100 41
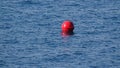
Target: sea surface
30 34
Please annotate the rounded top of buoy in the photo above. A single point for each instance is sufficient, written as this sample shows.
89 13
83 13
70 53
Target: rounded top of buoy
67 26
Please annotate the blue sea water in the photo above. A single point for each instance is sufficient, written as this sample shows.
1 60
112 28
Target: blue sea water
30 34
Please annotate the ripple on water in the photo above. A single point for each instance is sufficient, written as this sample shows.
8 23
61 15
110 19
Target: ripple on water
5 26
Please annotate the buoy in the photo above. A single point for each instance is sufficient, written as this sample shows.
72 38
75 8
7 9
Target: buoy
67 26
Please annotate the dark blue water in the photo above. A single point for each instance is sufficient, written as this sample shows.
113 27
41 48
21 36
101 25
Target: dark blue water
30 34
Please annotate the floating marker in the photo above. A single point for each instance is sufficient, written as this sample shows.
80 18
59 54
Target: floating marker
67 28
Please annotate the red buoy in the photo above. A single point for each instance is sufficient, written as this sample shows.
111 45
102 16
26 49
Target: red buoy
67 26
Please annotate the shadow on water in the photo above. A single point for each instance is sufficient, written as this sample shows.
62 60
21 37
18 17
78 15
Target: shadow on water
66 34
